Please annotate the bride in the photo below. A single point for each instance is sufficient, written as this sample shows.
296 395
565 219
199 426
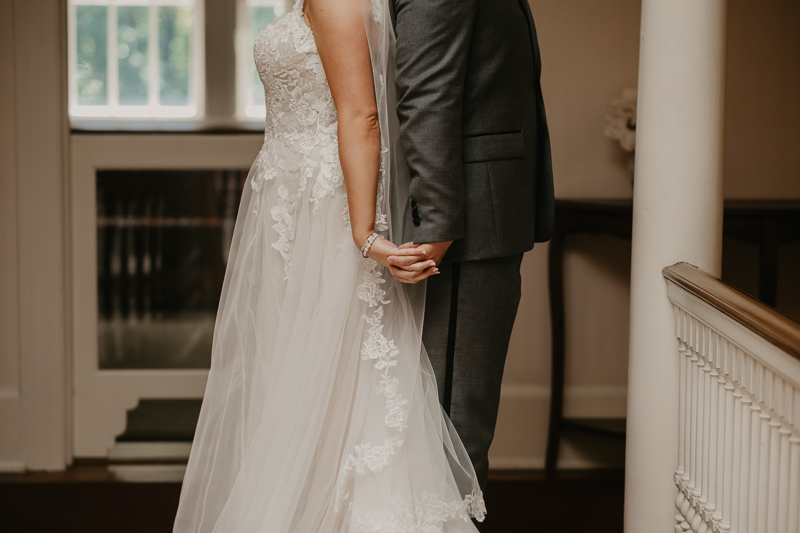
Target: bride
321 412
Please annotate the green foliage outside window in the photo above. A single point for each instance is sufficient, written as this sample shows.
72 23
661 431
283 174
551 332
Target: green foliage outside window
91 62
174 29
132 44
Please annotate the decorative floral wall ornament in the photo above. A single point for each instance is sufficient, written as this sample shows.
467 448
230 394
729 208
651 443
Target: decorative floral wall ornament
621 123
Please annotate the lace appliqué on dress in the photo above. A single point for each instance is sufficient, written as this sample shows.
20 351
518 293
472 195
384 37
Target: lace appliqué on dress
384 352
301 121
423 515
284 226
427 514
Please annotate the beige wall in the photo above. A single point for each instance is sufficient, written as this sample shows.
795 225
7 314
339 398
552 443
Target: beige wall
590 53
762 148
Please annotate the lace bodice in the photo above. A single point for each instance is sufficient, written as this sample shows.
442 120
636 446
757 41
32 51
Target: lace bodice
300 150
300 108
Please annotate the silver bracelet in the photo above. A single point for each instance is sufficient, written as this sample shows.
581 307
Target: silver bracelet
368 244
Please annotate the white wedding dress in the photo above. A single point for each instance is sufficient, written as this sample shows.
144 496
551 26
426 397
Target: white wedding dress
321 412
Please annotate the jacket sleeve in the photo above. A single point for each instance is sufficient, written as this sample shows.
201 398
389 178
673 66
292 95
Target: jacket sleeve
433 40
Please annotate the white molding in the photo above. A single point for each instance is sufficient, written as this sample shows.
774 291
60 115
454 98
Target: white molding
103 397
150 450
34 407
9 393
12 466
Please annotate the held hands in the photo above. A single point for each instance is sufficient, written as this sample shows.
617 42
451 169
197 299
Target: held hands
409 263
387 254
413 267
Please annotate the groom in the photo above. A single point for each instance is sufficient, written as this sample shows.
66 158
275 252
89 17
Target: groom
475 137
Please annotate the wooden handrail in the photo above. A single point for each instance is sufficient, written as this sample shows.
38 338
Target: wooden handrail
765 321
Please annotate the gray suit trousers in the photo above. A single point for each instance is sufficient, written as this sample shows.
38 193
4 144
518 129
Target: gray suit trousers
469 313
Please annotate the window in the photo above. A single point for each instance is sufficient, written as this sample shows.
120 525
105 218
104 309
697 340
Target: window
135 59
251 17
142 64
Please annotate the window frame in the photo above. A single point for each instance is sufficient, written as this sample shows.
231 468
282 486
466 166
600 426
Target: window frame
224 50
116 116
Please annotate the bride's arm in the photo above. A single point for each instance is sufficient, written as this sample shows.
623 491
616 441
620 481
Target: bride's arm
341 39
338 28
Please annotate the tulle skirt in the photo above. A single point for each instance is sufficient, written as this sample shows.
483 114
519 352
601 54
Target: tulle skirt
321 412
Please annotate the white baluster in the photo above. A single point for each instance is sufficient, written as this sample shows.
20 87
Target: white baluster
744 483
720 464
727 479
693 423
713 442
755 463
794 485
708 502
687 435
699 482
737 459
682 409
774 475
763 469
686 478
783 482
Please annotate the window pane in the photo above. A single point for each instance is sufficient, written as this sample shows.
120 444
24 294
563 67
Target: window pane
174 30
132 53
91 67
162 244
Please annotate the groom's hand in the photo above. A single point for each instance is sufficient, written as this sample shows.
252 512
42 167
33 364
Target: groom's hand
408 268
435 250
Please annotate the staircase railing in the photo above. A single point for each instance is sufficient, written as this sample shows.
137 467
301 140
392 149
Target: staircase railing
739 434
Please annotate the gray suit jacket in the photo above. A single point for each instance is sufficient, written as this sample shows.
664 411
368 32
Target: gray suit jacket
473 126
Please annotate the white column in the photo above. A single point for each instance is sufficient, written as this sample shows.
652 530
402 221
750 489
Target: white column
35 394
677 216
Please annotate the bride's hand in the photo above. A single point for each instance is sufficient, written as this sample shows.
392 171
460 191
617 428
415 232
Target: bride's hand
381 250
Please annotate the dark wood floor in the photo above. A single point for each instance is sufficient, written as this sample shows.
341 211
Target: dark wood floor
87 499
